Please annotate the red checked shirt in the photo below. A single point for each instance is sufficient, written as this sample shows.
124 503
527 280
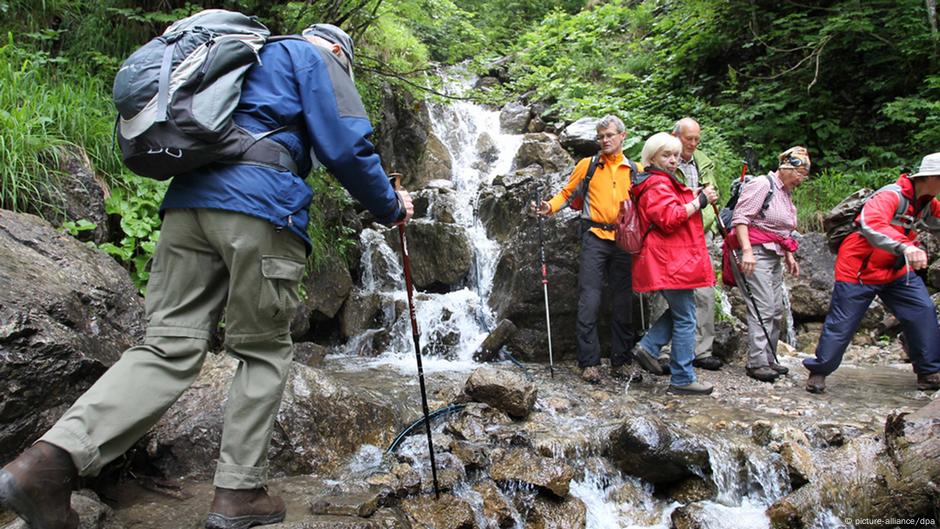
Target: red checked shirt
780 216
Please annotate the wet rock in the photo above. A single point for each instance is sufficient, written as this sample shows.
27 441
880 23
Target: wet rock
519 465
514 118
645 447
78 194
551 513
440 254
435 163
495 341
310 354
475 422
383 519
486 148
692 490
363 311
688 517
67 312
504 390
799 462
536 124
933 274
495 506
362 504
446 513
504 205
436 202
730 341
486 83
473 455
544 150
580 137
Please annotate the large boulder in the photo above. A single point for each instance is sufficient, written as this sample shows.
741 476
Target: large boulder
435 163
649 449
504 390
401 135
811 290
321 422
440 253
517 292
67 312
580 137
523 466
543 149
327 285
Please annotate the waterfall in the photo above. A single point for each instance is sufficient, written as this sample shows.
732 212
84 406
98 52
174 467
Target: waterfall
458 320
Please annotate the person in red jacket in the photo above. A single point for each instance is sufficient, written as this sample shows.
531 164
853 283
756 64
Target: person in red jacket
673 260
880 259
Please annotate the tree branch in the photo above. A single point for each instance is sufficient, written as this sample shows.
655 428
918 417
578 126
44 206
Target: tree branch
413 84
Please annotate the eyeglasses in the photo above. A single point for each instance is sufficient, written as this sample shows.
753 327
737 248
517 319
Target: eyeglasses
609 136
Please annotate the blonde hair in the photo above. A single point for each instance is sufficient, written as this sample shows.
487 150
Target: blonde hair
656 143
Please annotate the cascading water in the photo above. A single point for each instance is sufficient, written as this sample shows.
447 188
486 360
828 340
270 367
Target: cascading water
460 318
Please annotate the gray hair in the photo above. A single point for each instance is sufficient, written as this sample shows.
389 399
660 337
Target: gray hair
656 143
609 120
677 128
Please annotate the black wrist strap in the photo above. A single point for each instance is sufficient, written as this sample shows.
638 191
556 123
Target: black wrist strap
702 200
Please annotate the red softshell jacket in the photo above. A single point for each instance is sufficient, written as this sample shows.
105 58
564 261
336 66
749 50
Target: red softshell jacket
674 255
871 255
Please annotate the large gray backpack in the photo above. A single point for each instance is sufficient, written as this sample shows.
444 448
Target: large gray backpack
176 95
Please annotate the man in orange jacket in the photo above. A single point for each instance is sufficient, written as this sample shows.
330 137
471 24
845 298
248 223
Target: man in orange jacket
600 257
880 258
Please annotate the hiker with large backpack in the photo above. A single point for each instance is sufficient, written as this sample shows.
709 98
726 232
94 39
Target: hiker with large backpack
233 244
881 258
695 169
597 186
762 235
673 260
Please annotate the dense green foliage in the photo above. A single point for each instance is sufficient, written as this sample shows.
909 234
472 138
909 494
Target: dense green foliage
858 83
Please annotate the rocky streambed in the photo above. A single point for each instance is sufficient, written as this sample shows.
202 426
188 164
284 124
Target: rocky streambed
531 450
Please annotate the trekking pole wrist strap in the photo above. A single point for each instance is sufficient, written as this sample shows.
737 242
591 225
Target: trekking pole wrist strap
702 200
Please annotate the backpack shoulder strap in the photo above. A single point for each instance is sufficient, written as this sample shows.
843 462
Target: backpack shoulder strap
581 190
768 196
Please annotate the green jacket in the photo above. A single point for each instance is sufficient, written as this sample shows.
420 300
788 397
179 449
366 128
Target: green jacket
706 174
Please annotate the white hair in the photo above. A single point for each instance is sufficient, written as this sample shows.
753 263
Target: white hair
658 142
609 120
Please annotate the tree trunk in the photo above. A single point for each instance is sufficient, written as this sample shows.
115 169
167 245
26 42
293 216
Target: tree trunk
870 479
932 15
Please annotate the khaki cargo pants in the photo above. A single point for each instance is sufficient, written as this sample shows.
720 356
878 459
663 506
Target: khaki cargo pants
206 260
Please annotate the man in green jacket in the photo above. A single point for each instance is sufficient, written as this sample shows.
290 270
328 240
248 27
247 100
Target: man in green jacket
695 170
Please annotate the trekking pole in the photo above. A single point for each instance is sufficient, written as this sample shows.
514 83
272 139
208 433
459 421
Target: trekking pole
548 320
406 265
739 277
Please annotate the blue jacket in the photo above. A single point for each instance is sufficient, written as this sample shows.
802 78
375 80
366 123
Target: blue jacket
300 85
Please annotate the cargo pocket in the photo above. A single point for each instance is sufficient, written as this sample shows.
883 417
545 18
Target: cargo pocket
279 289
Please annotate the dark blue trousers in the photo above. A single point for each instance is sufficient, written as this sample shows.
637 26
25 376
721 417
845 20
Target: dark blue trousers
602 259
906 298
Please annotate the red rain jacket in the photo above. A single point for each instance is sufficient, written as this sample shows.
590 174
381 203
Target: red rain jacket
873 254
674 255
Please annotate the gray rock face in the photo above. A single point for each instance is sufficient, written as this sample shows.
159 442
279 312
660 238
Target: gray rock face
436 202
66 314
321 422
580 137
543 149
327 288
504 390
647 448
79 195
514 118
435 163
402 132
440 253
811 291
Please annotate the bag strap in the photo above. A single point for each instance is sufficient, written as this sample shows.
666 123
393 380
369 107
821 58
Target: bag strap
581 190
767 197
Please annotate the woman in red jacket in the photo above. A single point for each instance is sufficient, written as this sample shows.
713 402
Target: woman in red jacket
673 261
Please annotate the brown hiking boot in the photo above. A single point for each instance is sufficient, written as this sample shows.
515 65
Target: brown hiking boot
591 375
763 373
646 360
816 383
244 508
929 382
37 486
780 369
